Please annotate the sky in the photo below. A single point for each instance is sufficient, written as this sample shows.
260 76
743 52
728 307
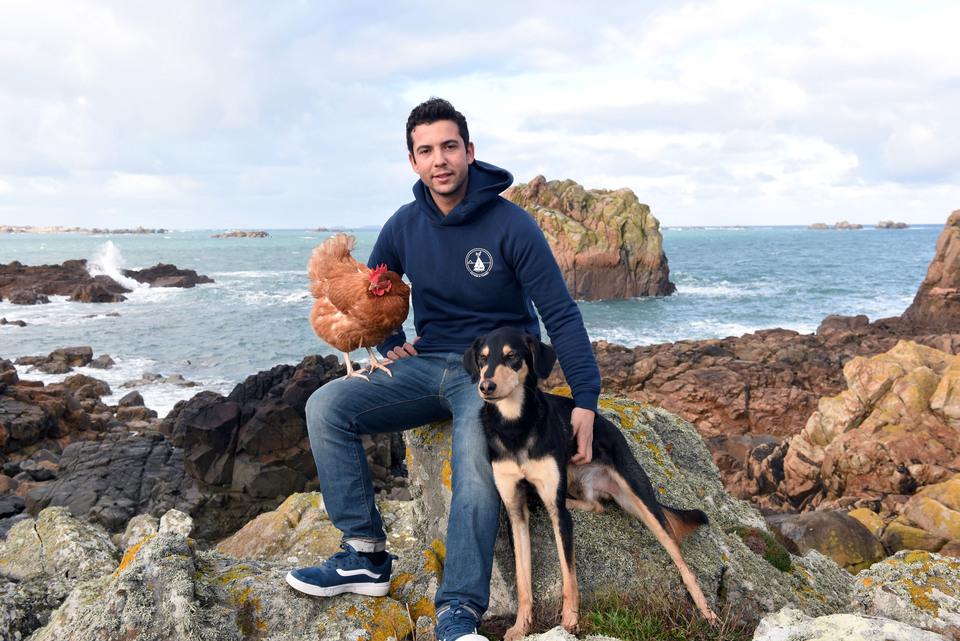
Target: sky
237 114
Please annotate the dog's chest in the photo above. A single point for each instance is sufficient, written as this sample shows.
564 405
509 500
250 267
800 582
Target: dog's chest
536 471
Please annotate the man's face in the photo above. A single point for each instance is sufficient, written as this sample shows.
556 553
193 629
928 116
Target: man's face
441 160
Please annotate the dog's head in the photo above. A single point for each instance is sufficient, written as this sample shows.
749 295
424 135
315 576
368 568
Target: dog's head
504 360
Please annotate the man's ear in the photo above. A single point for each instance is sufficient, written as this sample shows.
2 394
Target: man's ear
470 359
542 355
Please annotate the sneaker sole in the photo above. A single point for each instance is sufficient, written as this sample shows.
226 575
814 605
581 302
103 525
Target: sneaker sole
366 589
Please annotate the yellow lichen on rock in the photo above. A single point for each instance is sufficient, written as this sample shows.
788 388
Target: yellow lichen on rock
131 554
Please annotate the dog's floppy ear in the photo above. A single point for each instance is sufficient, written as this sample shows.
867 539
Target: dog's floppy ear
542 355
470 359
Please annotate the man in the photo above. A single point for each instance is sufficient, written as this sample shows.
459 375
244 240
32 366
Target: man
475 262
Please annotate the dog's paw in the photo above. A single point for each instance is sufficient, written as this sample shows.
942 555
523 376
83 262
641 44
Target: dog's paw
711 618
516 632
570 620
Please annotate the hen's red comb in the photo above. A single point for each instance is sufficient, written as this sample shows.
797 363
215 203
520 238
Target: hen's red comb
378 271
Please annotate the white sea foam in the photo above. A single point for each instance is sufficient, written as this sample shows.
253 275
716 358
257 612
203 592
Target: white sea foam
724 289
108 261
157 396
274 298
258 273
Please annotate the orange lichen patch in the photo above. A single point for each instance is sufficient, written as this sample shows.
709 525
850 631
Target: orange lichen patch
432 433
424 607
614 406
867 581
248 609
434 557
399 581
917 556
382 619
920 596
131 554
446 472
562 390
408 456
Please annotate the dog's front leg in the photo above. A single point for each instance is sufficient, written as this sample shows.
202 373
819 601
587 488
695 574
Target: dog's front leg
552 489
515 500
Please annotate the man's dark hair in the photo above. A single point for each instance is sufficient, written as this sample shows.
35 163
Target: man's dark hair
431 111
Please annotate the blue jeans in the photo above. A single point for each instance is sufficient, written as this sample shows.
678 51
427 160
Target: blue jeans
424 388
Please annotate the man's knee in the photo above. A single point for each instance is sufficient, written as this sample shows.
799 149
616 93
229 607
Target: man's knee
323 407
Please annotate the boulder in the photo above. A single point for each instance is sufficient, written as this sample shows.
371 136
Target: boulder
898 535
165 587
889 433
166 275
936 509
790 623
889 224
102 362
299 532
936 306
843 224
617 554
835 534
15 323
26 297
253 441
918 588
95 293
40 282
607 244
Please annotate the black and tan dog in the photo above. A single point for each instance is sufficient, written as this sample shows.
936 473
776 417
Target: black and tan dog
531 443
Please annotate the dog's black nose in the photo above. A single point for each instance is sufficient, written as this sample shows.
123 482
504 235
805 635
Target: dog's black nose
487 386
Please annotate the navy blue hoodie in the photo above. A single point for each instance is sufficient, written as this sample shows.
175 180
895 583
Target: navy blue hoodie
484 265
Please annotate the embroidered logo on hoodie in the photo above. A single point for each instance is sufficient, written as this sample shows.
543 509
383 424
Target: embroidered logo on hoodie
479 262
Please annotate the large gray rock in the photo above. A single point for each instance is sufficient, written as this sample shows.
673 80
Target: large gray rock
165 588
41 561
615 553
792 625
915 587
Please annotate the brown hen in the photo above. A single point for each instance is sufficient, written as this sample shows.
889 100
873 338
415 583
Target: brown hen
356 306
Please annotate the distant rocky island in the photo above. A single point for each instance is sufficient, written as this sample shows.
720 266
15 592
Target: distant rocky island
843 224
59 229
242 233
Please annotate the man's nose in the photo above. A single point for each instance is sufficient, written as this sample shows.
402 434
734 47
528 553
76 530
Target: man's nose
487 386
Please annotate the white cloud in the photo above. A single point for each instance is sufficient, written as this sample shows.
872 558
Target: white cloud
293 114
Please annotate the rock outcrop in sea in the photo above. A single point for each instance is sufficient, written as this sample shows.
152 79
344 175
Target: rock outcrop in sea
607 243
936 307
30 285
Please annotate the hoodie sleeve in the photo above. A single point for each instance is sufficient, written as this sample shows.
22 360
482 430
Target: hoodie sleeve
540 276
384 252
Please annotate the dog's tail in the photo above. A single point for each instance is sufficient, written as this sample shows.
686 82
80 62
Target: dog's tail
683 523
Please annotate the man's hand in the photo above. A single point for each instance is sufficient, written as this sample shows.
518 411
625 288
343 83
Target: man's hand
582 421
403 351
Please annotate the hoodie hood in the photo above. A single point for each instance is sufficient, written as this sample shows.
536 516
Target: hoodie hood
485 182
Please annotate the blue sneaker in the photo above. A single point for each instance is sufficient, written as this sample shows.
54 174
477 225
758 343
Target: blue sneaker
457 622
347 571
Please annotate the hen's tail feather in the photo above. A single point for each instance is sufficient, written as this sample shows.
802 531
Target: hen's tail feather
327 255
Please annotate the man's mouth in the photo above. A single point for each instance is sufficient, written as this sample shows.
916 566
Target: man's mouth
443 177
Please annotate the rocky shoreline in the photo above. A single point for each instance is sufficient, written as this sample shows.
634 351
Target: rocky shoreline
841 444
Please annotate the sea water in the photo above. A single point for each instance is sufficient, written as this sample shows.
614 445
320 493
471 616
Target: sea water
730 281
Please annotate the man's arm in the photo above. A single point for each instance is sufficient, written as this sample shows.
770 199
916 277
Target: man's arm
538 272
384 253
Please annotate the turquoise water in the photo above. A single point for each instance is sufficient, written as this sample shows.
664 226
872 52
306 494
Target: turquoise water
729 281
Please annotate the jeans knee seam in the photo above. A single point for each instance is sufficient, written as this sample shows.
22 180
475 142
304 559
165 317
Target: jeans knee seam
388 405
